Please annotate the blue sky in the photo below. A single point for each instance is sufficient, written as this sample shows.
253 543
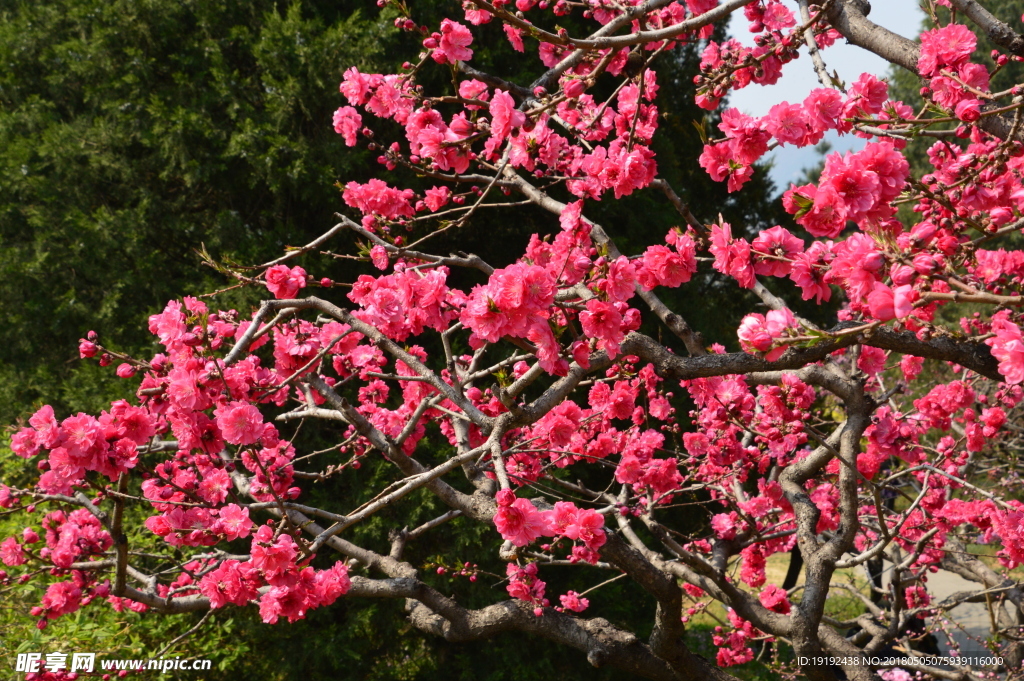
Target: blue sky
798 79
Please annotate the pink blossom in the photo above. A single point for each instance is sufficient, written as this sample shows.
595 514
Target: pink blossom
563 515
717 160
524 585
169 325
476 16
732 256
235 522
134 423
46 426
603 321
25 443
61 598
391 99
752 570
357 86
521 522
748 136
775 598
780 246
727 525
1010 526
824 107
11 552
332 583
866 96
348 123
274 558
240 423
788 124
880 302
437 198
858 188
821 210
572 601
454 43
968 110
758 333
948 46
515 37
283 601
871 360
621 283
778 17
377 198
82 434
588 527
232 582
379 257
474 89
1007 347
661 266
504 116
285 282
753 334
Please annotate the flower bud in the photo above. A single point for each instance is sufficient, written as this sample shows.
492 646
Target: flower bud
574 88
925 263
968 110
87 348
873 262
902 275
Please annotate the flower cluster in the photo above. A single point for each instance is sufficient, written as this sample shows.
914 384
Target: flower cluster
521 523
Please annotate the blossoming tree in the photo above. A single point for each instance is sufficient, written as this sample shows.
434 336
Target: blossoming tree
556 412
